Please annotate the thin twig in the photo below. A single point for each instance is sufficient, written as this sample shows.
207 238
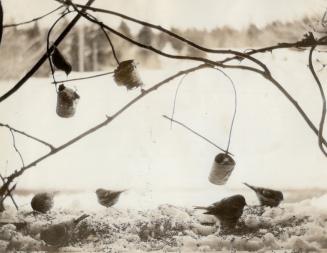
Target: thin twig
83 78
34 19
196 133
15 147
10 191
111 44
10 195
44 57
28 135
108 39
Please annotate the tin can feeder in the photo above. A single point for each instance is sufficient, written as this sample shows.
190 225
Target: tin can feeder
126 74
67 100
221 169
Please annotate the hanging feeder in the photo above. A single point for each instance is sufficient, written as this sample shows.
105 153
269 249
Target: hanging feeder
67 100
126 74
221 169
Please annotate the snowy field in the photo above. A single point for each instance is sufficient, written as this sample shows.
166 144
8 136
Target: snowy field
292 227
166 170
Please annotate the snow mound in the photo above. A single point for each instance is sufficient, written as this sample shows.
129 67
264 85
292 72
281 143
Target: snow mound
170 228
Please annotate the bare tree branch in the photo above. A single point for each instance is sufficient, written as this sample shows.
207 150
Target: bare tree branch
34 19
170 33
10 191
179 57
10 195
27 135
266 75
98 126
15 147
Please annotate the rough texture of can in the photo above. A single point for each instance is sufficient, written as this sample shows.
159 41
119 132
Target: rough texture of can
67 100
221 169
126 74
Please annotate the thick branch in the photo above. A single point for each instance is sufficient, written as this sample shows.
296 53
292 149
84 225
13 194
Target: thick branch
170 33
44 57
157 51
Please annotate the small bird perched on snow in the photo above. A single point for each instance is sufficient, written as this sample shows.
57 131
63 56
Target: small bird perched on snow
228 210
60 234
42 202
267 197
108 198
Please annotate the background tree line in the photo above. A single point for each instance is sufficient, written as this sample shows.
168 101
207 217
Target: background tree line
87 49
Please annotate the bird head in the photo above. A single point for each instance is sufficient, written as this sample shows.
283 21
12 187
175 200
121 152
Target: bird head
100 191
239 200
280 195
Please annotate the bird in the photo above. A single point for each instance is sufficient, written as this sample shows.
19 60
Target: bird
60 62
267 197
60 234
42 202
108 198
228 210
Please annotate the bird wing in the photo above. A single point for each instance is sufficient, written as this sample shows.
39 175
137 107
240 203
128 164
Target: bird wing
54 234
267 193
214 208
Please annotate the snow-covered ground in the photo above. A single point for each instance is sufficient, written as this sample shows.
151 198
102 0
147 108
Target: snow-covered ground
292 227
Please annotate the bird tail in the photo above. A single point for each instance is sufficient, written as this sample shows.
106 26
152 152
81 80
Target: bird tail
200 207
81 218
250 186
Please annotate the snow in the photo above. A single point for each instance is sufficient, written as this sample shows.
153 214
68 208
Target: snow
299 226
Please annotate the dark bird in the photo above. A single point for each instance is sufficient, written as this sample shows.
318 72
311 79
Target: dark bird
267 197
228 210
60 234
60 62
42 202
108 198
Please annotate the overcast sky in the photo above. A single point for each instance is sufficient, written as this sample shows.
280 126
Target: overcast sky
185 13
